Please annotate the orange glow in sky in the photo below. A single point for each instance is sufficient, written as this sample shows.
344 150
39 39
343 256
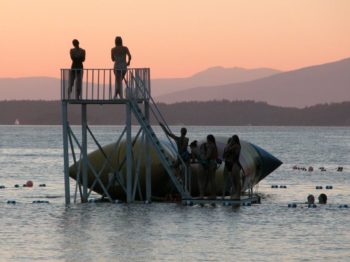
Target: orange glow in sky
173 38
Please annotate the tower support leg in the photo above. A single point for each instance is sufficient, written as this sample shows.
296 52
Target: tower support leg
84 153
65 152
148 159
128 155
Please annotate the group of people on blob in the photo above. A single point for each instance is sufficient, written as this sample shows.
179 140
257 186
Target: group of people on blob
120 55
206 155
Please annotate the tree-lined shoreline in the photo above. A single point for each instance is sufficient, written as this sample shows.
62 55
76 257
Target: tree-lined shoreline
219 113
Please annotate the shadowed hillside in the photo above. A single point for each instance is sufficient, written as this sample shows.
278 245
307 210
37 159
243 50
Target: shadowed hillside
186 113
30 88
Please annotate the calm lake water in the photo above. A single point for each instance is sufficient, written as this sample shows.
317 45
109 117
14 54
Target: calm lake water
171 232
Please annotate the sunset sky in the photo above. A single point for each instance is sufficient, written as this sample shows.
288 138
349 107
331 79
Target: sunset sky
173 38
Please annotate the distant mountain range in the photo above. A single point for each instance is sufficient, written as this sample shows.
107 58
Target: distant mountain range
30 88
210 77
308 86
326 83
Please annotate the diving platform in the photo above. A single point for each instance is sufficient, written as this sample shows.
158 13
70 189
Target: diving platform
138 168
87 87
97 86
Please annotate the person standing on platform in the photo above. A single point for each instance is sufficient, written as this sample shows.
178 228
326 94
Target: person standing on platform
121 57
194 151
211 156
228 167
203 174
236 169
77 55
181 143
197 157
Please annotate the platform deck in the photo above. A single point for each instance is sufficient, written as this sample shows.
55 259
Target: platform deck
245 200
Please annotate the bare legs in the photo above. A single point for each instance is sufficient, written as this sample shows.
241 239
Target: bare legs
119 76
202 181
236 182
206 180
77 76
211 180
227 181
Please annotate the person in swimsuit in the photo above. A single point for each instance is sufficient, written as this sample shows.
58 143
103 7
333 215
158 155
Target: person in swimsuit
77 55
181 143
121 57
193 151
236 168
211 155
228 167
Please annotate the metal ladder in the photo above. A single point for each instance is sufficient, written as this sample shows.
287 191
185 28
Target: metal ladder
165 160
183 187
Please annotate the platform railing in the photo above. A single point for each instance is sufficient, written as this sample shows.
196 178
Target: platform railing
100 84
138 82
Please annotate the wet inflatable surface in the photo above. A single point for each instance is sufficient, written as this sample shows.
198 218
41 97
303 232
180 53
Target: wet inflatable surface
256 165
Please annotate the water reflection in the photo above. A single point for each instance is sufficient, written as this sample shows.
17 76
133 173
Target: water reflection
170 232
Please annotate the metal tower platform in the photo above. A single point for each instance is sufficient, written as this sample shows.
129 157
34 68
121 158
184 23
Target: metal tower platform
97 86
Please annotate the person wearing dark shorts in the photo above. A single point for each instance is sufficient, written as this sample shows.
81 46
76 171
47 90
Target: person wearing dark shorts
77 55
182 145
228 167
211 155
236 168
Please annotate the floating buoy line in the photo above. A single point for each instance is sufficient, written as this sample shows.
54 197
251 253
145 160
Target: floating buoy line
311 168
28 184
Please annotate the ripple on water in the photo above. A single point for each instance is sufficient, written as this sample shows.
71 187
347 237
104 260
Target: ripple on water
170 232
